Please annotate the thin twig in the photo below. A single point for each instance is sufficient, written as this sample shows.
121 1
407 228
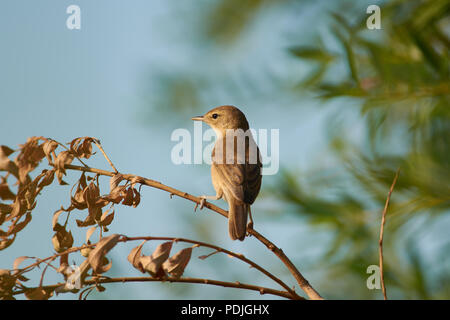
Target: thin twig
293 294
301 280
67 149
99 145
238 285
220 249
45 269
383 221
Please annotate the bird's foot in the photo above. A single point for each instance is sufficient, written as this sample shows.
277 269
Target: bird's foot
202 203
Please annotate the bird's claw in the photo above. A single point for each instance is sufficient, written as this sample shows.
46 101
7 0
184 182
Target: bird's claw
202 204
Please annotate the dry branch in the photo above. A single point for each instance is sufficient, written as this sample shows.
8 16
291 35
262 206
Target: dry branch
380 243
86 196
302 282
237 285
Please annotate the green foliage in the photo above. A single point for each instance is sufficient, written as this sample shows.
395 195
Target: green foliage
399 79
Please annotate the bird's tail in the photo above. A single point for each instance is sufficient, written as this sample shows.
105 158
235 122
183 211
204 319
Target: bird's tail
237 220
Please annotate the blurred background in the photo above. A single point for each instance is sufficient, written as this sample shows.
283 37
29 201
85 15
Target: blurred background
352 105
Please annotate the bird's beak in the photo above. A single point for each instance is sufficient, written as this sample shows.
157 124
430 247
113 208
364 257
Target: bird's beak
199 118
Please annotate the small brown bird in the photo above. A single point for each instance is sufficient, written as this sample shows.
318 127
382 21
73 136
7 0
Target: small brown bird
236 166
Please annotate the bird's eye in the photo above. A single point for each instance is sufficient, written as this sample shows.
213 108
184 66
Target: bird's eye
215 115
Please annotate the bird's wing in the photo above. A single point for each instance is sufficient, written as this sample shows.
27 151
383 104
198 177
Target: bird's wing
231 179
252 180
242 181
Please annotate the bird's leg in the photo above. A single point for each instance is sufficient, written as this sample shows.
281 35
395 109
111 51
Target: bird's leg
204 198
250 223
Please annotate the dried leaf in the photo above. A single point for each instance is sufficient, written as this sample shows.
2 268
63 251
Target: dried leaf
62 239
114 181
82 181
78 199
101 202
30 194
5 209
56 243
128 201
137 198
89 221
7 282
19 207
5 163
15 228
22 278
137 179
19 260
6 243
55 218
86 148
89 233
176 264
30 155
39 293
101 249
91 194
117 195
68 240
132 197
154 263
100 288
48 178
5 151
82 147
146 263
106 218
105 266
48 147
5 192
135 255
63 158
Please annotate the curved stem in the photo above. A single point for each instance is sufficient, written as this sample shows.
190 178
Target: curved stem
292 293
302 282
261 290
99 145
238 285
380 242
220 249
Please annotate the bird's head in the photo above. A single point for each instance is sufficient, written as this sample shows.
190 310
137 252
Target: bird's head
223 118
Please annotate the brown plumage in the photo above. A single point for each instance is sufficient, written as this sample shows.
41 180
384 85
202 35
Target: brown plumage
235 169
